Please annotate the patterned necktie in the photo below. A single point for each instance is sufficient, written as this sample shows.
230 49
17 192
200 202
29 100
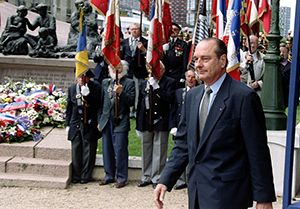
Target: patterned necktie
204 109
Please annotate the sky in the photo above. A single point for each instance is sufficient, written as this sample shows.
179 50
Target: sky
292 4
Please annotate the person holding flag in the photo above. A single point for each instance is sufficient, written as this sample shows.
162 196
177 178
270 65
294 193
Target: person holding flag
81 114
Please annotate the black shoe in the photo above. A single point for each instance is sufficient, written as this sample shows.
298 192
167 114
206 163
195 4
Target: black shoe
181 186
105 182
144 183
119 185
75 181
84 181
154 185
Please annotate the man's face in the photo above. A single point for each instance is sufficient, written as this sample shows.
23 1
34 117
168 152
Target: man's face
135 31
82 80
253 43
190 79
175 31
284 53
208 66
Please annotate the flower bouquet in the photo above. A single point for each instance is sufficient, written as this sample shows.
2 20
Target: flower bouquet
25 107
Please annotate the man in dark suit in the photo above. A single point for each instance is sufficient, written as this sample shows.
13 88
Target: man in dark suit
228 156
81 121
134 49
175 57
154 130
117 98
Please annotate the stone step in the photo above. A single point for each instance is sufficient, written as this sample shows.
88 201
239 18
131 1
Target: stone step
54 146
55 168
24 149
30 180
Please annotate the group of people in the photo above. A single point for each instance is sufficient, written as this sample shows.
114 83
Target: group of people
220 144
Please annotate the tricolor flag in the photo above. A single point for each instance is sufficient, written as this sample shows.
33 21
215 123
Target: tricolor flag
200 31
232 38
264 14
218 16
81 58
111 38
145 6
100 5
155 40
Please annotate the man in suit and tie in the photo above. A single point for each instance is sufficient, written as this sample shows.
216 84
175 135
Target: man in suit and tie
81 121
222 136
134 49
117 98
175 57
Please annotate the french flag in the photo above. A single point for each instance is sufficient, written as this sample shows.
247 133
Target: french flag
218 16
155 39
111 39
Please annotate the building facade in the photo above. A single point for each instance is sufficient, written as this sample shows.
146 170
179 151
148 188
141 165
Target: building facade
284 20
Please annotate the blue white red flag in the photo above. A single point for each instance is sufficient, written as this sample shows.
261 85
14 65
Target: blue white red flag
218 16
232 38
111 38
155 40
81 58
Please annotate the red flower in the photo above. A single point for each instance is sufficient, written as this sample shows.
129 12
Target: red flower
19 133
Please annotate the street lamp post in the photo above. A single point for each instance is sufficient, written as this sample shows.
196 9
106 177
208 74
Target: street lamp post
272 91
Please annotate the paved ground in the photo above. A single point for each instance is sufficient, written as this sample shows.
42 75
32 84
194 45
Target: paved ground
90 196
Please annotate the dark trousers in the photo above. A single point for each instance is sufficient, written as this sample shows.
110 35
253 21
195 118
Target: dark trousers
115 154
80 158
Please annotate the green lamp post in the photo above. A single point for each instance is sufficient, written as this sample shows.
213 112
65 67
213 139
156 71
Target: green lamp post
272 91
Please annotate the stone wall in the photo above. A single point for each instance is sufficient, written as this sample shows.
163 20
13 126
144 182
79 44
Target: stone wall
42 70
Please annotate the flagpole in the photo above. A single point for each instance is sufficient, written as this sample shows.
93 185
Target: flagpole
141 35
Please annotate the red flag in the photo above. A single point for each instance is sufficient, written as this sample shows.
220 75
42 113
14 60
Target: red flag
252 16
155 40
245 28
145 6
167 20
100 5
264 14
111 39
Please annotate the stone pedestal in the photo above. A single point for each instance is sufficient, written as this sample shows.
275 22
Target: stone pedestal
42 70
277 145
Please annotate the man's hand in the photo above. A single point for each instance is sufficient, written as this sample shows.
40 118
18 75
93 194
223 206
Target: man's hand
254 85
267 205
118 89
159 195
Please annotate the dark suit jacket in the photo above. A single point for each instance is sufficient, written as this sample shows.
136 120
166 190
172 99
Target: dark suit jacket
106 111
230 166
161 103
75 120
176 59
136 68
177 107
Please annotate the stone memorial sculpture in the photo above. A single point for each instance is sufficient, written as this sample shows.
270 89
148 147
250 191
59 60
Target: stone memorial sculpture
13 40
45 46
44 20
90 19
